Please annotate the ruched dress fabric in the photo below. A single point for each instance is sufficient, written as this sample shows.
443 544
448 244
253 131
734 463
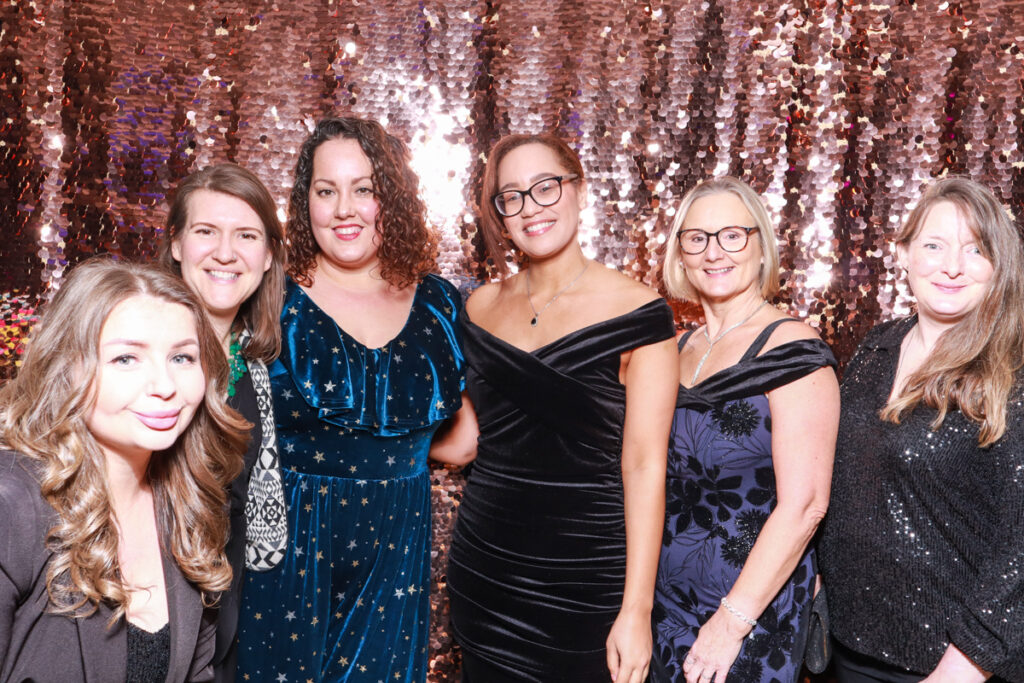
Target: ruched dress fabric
720 489
350 600
538 556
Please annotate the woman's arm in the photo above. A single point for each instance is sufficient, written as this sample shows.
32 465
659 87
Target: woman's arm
956 667
652 382
805 419
455 441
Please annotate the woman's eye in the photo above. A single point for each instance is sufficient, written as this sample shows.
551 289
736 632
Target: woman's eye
324 192
184 359
364 191
124 360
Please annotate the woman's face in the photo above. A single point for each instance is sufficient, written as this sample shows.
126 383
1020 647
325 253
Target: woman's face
540 231
223 252
342 205
149 380
945 268
717 274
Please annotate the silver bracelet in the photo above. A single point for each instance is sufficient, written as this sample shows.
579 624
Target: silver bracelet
738 614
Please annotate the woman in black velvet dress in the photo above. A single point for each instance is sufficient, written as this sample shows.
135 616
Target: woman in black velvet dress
572 375
923 549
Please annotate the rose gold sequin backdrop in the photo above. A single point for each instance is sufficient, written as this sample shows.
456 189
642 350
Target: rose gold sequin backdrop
836 111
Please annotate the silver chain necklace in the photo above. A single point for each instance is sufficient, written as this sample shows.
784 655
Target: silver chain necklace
718 338
563 290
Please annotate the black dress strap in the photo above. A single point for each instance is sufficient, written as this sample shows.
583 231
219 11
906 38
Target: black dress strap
685 338
762 338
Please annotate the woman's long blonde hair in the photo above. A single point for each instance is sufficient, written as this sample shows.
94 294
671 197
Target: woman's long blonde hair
43 413
974 363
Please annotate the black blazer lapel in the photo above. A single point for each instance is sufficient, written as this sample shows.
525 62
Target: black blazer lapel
185 611
104 650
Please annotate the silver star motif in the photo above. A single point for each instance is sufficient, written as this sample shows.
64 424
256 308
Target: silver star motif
290 615
298 551
287 394
329 386
308 384
399 593
290 447
391 460
281 678
351 545
335 349
293 310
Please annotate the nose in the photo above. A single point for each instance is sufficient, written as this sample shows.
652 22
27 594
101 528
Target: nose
714 250
225 252
161 381
530 206
953 262
343 207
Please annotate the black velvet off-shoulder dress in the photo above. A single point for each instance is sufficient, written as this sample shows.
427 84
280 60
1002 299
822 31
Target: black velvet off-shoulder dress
538 557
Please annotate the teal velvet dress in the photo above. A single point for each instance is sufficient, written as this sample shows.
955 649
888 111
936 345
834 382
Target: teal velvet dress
350 601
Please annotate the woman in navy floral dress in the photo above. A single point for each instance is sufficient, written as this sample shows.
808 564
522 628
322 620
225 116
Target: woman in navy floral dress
750 456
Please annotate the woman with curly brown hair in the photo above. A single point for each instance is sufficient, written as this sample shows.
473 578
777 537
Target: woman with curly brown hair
112 491
370 364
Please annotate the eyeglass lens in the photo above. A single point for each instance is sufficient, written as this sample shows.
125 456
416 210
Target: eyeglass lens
731 239
544 192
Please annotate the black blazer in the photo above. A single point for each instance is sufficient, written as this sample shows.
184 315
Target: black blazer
36 645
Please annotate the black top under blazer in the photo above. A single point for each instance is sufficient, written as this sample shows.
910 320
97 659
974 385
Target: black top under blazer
37 645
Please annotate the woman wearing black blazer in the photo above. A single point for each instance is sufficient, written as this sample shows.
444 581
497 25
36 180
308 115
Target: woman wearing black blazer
117 448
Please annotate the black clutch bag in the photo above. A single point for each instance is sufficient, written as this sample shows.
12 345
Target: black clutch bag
817 644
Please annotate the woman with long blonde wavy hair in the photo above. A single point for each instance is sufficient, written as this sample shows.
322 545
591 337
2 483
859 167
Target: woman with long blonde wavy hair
117 448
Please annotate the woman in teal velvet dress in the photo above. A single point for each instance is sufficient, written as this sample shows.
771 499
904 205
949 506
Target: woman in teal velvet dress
370 364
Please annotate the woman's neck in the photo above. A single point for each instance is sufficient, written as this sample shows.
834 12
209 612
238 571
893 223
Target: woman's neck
127 481
554 273
364 279
929 331
222 327
720 315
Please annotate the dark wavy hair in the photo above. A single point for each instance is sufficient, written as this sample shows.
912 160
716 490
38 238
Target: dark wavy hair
499 246
408 247
261 312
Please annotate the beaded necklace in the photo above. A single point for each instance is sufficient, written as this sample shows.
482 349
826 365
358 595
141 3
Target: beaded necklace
235 363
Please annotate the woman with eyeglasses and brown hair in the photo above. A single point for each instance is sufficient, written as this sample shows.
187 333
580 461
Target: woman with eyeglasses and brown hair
572 376
750 455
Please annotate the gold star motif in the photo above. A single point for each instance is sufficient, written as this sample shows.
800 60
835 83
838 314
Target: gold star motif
309 508
352 468
355 563
344 502
319 457
258 616
401 343
295 414
314 622
359 602
362 668
381 609
365 501
323 490
294 637
302 572
320 554
343 661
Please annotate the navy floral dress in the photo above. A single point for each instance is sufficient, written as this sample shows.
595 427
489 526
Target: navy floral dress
720 491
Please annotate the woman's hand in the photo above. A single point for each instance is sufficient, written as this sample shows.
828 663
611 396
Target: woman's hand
629 646
956 667
716 648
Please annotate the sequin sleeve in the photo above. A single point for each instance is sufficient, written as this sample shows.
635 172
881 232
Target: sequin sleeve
991 629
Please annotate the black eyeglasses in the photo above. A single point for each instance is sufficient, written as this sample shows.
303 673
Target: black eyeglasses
544 192
731 238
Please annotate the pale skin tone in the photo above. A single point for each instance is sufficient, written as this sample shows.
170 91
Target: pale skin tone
147 387
803 442
949 276
547 235
346 280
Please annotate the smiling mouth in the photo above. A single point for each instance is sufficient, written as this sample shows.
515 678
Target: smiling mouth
538 228
159 421
949 289
347 232
222 275
718 271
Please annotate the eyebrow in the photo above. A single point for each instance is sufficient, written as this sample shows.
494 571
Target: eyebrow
534 179
354 180
135 343
214 225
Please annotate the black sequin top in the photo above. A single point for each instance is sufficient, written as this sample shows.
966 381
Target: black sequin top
149 654
923 543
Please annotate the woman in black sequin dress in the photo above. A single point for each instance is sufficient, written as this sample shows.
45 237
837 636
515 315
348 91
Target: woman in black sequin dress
923 549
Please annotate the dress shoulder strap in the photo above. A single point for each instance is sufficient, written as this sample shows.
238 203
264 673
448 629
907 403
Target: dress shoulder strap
685 338
762 338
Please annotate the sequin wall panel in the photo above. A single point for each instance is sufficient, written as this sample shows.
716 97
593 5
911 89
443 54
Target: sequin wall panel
836 111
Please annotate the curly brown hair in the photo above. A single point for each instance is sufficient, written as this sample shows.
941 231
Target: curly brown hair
408 247
44 412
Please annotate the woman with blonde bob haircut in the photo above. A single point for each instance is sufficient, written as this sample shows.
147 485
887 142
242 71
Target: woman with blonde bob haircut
113 490
750 455
673 275
922 549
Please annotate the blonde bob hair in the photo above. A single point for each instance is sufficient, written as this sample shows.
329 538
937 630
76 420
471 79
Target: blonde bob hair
974 364
673 274
44 412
